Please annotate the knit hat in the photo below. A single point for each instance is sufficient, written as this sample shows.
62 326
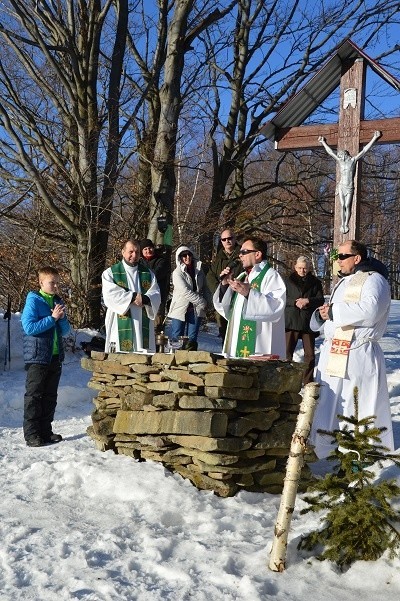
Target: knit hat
146 243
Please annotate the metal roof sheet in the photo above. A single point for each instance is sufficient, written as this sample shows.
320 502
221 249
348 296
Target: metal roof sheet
296 110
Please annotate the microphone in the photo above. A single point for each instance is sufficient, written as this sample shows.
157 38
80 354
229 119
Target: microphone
232 266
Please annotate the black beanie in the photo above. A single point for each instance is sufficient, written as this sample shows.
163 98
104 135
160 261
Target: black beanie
146 243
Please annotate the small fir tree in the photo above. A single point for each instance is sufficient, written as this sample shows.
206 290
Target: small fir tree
360 520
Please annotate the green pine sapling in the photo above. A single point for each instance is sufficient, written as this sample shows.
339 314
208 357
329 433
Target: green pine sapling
359 523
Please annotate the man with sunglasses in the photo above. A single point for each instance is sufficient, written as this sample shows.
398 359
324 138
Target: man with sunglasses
227 255
351 357
253 303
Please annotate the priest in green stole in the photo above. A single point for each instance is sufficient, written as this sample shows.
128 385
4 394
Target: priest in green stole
132 297
254 305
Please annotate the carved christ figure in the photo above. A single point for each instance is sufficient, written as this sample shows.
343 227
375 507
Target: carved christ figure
347 169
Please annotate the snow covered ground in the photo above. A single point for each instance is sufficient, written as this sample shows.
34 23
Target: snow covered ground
78 524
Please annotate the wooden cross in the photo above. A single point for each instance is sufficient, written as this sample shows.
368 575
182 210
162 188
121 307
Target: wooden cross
350 133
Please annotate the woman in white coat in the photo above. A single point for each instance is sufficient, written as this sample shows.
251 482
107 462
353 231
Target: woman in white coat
190 297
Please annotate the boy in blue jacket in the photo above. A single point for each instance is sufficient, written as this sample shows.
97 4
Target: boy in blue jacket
44 323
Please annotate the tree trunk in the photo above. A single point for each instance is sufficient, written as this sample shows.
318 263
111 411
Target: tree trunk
163 167
293 470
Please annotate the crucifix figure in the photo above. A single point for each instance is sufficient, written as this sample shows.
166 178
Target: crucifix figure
347 67
345 185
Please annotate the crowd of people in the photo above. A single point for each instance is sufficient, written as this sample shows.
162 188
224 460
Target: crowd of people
259 313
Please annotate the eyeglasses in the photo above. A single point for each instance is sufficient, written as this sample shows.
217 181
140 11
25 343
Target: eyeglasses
227 238
183 255
343 256
246 251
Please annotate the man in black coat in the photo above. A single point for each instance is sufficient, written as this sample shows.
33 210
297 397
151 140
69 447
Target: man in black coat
304 294
160 266
227 256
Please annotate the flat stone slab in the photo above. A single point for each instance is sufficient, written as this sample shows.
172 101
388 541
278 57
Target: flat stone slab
203 402
99 355
280 376
171 422
279 435
241 467
207 368
165 401
241 394
105 367
229 380
180 375
130 358
170 386
163 359
204 482
186 357
204 443
253 421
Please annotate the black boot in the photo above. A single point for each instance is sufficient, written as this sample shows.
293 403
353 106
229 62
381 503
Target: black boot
191 345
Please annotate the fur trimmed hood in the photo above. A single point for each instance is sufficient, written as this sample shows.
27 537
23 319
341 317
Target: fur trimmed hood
181 249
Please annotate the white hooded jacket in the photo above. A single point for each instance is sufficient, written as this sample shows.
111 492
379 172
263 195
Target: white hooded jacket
183 293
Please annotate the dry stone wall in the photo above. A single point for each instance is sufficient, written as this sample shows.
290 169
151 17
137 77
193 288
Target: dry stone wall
225 424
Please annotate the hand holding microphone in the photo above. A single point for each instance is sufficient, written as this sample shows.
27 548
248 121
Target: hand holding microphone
226 274
58 311
324 311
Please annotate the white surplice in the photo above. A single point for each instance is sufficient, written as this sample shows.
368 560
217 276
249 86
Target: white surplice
118 301
265 306
365 367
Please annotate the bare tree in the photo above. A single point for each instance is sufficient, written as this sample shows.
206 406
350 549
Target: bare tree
60 84
273 48
95 95
186 25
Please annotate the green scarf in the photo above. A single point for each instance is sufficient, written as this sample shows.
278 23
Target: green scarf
126 330
49 298
246 342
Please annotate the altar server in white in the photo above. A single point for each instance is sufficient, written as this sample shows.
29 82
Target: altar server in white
132 297
353 322
253 303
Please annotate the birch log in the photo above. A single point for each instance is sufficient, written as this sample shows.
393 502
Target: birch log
291 482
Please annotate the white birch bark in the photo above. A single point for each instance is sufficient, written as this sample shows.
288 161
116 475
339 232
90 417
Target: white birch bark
277 562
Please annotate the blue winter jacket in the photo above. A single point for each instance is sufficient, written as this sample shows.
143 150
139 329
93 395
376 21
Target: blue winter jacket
39 326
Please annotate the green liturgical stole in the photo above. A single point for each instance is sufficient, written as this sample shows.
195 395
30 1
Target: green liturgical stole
126 330
246 341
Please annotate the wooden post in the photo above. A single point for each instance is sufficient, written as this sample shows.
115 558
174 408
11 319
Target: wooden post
277 562
351 113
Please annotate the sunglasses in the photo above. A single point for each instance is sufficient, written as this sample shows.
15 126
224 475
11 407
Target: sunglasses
343 256
183 255
246 251
227 238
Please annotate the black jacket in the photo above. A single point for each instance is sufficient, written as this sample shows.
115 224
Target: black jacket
220 261
161 268
372 264
297 287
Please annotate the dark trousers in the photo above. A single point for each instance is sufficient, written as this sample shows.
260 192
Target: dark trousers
308 340
222 325
159 320
40 398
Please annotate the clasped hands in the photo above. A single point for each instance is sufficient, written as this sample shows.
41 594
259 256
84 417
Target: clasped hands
300 303
138 300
